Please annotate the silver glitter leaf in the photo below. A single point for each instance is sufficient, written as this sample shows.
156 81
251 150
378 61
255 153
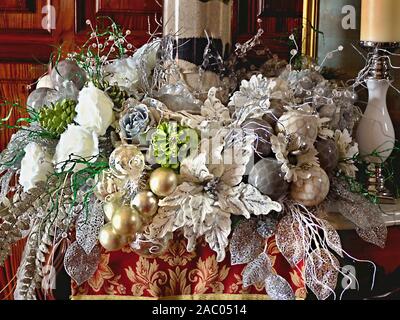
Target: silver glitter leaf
375 235
367 216
266 227
321 273
79 265
246 243
257 271
278 288
290 240
332 238
88 226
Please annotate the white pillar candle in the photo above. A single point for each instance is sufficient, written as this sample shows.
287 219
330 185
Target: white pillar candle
380 20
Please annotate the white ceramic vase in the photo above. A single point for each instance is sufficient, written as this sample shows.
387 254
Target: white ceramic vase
375 131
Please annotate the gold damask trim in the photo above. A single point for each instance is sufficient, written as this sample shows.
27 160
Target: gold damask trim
196 297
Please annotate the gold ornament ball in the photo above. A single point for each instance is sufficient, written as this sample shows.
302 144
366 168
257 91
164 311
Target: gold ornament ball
110 207
147 203
163 182
110 240
312 191
126 221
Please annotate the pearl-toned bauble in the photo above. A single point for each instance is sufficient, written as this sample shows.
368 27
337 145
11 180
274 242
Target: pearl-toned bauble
107 184
110 240
263 130
163 182
146 203
126 221
328 154
300 124
312 191
127 161
268 178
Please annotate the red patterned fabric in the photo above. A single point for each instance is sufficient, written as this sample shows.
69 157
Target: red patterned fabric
178 273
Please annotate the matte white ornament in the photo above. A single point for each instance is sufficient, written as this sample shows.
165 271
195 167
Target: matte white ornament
45 82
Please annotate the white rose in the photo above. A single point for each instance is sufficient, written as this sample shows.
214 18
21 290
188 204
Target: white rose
35 166
125 72
94 110
76 143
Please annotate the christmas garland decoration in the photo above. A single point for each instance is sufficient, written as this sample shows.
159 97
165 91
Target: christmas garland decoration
117 151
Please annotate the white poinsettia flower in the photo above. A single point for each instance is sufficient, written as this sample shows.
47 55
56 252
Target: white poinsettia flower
36 166
348 149
76 143
127 72
94 110
207 197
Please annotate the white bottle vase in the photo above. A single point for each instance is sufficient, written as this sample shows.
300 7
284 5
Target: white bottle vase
375 132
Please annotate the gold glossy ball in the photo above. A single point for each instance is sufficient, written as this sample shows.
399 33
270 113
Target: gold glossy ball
147 203
163 182
110 240
109 209
126 221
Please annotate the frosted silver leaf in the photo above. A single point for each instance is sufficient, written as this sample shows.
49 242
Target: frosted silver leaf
200 212
217 236
246 243
246 200
239 155
321 273
191 238
79 265
257 271
290 240
278 288
194 169
168 219
88 226
183 191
